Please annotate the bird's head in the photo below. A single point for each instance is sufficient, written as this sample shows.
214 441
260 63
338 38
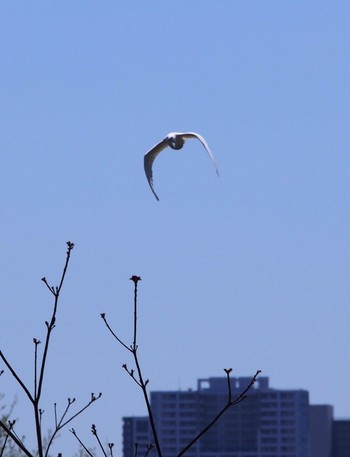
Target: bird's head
175 141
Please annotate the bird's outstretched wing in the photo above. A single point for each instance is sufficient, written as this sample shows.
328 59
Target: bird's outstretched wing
149 159
204 143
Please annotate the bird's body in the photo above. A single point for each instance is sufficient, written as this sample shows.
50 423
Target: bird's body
176 141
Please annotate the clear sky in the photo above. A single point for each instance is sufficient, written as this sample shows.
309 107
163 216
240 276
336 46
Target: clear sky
249 270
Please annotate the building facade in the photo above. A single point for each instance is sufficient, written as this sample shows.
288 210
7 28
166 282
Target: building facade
136 431
341 438
268 423
321 427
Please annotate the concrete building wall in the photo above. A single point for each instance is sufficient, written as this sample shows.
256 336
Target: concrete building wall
321 421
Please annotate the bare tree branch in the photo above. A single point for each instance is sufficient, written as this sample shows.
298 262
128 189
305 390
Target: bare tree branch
61 423
15 438
103 316
39 372
80 442
140 381
94 432
15 375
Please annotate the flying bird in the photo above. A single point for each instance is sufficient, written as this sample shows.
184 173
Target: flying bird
176 141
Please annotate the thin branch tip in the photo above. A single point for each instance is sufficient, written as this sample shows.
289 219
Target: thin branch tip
70 245
135 278
95 397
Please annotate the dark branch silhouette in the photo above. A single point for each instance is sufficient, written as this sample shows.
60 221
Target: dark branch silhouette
139 380
137 377
39 376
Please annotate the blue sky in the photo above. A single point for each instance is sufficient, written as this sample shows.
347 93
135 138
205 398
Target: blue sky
249 270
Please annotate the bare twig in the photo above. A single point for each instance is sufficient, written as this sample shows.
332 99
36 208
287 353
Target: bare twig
149 448
62 423
94 432
36 343
110 447
139 380
11 424
55 413
80 442
135 279
92 400
15 375
15 439
50 326
103 316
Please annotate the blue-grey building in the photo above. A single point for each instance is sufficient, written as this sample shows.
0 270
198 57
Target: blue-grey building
321 427
341 438
268 423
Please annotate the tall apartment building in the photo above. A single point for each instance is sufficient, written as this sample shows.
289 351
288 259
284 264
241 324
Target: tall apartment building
321 428
268 423
341 438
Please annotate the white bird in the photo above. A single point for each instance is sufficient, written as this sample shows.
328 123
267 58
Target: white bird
175 140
